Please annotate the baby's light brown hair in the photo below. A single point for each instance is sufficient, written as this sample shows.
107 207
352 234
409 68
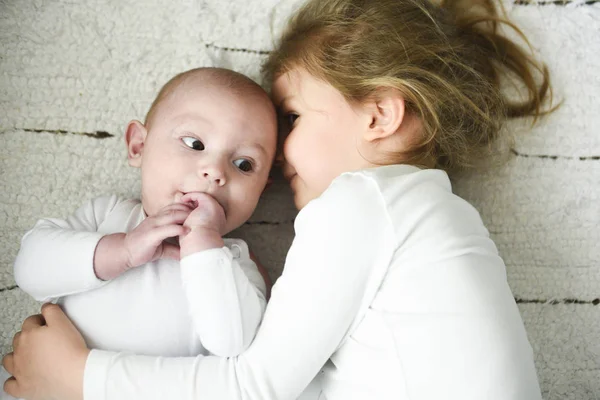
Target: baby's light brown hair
446 60
208 77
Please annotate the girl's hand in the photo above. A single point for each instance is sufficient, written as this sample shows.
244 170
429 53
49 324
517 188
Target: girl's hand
119 252
48 358
204 225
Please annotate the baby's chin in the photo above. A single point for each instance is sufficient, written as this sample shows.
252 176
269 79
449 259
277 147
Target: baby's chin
234 221
231 225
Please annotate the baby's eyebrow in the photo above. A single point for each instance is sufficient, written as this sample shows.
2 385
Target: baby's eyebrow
261 149
194 117
254 146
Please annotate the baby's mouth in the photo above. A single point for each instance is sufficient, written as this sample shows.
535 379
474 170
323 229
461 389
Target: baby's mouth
173 240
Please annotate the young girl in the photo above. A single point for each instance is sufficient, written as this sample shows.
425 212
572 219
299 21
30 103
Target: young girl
392 288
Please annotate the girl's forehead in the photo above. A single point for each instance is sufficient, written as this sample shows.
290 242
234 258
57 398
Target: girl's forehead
294 83
300 86
282 83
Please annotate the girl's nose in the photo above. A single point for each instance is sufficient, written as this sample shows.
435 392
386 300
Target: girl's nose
279 159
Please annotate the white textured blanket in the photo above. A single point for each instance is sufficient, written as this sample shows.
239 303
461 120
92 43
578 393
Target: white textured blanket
73 73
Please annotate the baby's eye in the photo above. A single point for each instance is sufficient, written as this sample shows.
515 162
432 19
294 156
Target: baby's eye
193 143
243 164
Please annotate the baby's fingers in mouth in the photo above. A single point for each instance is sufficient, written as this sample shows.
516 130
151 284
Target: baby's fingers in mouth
191 203
194 199
189 199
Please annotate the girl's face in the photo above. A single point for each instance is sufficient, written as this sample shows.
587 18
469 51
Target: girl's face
325 134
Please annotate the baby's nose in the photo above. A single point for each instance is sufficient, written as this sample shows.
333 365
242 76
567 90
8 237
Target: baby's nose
214 174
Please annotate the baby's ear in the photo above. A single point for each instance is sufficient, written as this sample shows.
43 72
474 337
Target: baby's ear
134 138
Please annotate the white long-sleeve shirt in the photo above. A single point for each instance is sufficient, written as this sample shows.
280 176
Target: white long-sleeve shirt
392 289
209 302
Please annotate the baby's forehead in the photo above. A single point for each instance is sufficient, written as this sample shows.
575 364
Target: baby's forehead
218 79
198 81
236 92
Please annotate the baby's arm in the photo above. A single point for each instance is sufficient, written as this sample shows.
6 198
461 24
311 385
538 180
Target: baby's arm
56 257
63 257
226 297
226 293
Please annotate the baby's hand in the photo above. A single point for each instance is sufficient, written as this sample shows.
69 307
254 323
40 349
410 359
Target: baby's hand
204 225
119 252
147 241
207 212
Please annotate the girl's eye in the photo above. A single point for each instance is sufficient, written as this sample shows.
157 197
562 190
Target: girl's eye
193 143
291 119
286 122
243 165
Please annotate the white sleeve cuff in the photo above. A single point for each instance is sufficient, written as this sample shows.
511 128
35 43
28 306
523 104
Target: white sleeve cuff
96 374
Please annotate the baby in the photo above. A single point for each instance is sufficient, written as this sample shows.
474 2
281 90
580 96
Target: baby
154 276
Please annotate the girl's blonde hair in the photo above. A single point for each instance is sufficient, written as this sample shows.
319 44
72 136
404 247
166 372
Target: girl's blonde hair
446 61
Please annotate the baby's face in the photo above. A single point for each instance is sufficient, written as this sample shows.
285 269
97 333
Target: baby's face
210 140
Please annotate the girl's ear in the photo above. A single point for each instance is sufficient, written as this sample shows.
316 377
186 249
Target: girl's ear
387 115
134 138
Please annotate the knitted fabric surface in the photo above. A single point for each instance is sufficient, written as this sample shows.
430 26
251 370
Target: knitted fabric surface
72 74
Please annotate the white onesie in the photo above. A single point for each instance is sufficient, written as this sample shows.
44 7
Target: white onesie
210 302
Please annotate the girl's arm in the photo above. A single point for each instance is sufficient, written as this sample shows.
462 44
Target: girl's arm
226 297
340 239
56 257
341 242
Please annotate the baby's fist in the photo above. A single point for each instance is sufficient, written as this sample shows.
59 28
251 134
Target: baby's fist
204 226
207 212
